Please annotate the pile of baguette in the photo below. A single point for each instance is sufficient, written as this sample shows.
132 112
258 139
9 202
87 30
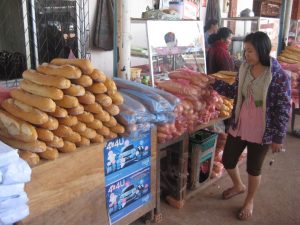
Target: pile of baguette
290 55
58 107
226 76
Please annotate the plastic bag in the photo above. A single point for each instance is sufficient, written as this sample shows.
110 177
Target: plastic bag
11 190
7 154
16 172
165 117
13 201
13 215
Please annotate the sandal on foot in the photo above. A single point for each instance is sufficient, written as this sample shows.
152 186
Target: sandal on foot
244 214
230 192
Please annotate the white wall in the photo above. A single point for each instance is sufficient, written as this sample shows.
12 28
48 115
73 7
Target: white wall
103 60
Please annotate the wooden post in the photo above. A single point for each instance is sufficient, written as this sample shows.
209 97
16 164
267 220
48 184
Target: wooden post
124 39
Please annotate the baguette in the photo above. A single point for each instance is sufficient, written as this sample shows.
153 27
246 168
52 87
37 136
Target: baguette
43 91
98 139
228 73
56 143
83 142
35 146
117 98
87 98
293 48
30 157
104 131
50 153
76 110
89 133
111 86
74 90
67 71
84 81
97 88
51 124
74 137
86 117
93 108
63 131
44 134
68 147
84 64
79 127
96 124
119 129
47 80
67 102
111 135
42 103
68 121
12 127
103 99
103 116
59 112
286 60
24 112
98 76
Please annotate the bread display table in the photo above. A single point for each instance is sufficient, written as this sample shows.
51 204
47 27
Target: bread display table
69 190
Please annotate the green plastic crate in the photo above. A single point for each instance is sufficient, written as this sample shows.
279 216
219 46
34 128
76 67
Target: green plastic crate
205 139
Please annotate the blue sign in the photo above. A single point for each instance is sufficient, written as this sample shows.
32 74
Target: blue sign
122 152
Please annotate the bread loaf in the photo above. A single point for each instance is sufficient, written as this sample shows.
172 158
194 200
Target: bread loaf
59 112
74 90
112 109
84 142
103 116
104 131
98 76
117 98
46 80
79 127
42 103
24 112
76 110
50 154
84 81
67 71
67 102
12 127
35 146
56 143
44 91
84 64
111 123
98 139
87 98
111 135
103 99
93 108
111 86
68 121
89 133
119 129
97 88
30 157
74 137
86 117
68 147
63 131
96 124
51 124
44 134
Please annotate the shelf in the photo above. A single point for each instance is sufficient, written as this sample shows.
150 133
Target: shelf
210 123
165 51
172 142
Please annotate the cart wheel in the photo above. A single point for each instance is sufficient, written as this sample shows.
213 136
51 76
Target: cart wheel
158 218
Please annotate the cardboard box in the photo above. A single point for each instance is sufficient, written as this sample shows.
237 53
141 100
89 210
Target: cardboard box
126 194
122 152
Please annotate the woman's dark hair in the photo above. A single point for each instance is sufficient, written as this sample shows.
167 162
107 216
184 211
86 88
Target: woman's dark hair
262 45
222 34
209 24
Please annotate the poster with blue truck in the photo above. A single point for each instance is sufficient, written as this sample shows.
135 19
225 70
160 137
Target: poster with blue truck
122 152
128 193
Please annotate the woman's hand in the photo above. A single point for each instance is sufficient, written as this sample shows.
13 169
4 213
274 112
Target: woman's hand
276 147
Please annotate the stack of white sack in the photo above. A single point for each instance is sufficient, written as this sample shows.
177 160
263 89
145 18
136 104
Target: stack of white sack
144 105
14 173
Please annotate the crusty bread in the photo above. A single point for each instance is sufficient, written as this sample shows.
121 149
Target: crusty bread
68 121
63 131
35 146
84 81
86 117
79 127
75 90
84 142
93 108
84 64
57 142
51 124
49 154
44 134
59 112
67 71
67 102
103 99
30 157
103 116
97 88
98 75
76 110
98 139
87 98
68 147
96 124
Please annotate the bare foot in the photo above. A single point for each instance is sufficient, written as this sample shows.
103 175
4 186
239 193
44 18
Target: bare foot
246 212
233 191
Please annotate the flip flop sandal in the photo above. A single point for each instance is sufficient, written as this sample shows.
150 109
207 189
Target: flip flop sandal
244 214
229 193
